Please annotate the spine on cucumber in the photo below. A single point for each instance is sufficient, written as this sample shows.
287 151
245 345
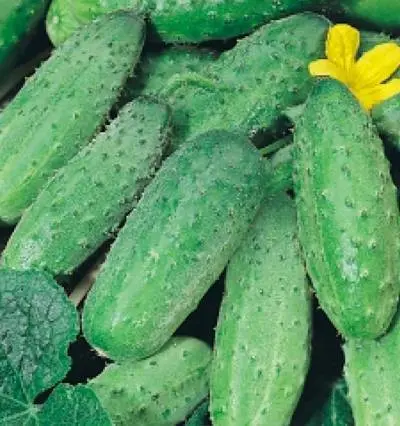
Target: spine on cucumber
61 107
174 245
249 86
87 199
372 371
18 19
262 347
347 212
158 391
209 20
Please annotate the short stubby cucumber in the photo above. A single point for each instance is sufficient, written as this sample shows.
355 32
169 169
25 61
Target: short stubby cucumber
250 86
190 21
87 199
174 245
158 391
347 212
382 14
59 109
155 68
372 373
17 20
336 410
262 346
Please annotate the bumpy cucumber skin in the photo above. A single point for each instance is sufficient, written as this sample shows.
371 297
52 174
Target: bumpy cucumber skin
59 109
87 199
159 391
382 14
174 245
251 85
156 68
372 374
336 410
347 212
262 347
191 21
17 20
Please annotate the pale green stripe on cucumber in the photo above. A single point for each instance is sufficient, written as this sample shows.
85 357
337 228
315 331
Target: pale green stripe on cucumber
159 391
347 212
262 347
87 199
61 107
372 373
249 86
174 245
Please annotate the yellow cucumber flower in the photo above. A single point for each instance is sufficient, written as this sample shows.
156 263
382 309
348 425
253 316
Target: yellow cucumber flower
367 77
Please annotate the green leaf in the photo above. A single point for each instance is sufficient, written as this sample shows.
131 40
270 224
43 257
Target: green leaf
38 323
69 405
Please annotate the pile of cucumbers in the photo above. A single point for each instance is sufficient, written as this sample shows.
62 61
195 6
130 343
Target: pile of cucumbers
191 135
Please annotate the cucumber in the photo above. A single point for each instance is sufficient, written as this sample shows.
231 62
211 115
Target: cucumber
250 86
18 18
200 415
155 68
262 346
87 199
347 212
279 169
59 109
159 391
174 245
386 117
336 410
191 21
372 374
382 14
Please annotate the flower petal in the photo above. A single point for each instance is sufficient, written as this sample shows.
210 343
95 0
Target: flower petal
324 67
342 45
373 96
376 66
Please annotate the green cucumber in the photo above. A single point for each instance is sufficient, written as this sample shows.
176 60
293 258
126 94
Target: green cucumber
174 245
191 21
199 417
87 199
18 18
250 86
347 212
262 346
60 108
158 391
279 169
372 374
155 68
382 14
336 410
386 117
